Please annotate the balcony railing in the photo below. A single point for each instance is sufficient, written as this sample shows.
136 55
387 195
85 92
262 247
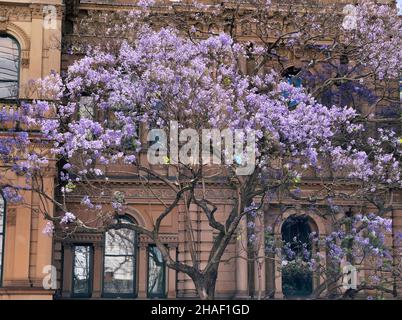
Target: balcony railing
10 114
13 117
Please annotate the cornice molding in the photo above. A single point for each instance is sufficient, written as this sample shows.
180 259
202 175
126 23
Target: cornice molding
14 11
171 240
38 12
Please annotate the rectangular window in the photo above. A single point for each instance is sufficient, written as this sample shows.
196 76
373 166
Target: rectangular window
86 108
82 268
119 273
156 273
119 276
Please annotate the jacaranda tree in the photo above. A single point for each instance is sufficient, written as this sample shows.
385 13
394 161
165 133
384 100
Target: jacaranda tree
317 120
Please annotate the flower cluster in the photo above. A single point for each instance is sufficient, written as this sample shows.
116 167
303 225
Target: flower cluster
68 218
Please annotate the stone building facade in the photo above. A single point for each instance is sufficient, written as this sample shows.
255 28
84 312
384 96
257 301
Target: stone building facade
41 45
33 51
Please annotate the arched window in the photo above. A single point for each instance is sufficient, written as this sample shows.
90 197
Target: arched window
297 279
2 223
9 67
292 76
120 262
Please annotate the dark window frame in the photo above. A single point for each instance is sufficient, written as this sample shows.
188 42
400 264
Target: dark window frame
162 295
135 255
90 273
18 61
299 226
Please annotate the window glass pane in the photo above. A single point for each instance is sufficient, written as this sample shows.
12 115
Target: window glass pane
297 279
9 67
120 262
119 275
86 108
8 90
156 273
82 276
120 242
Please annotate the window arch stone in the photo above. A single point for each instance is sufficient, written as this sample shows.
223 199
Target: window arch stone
22 38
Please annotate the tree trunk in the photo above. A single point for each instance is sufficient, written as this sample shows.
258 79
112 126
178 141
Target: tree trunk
259 275
205 284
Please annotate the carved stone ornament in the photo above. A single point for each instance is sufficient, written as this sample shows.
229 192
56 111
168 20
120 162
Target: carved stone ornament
14 12
3 15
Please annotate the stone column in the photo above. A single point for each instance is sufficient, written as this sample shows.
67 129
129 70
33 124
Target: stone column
9 246
97 267
397 227
318 280
142 271
241 261
259 264
67 270
44 245
171 275
186 287
36 49
20 218
277 272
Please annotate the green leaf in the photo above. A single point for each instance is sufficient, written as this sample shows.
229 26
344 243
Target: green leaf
227 81
297 180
